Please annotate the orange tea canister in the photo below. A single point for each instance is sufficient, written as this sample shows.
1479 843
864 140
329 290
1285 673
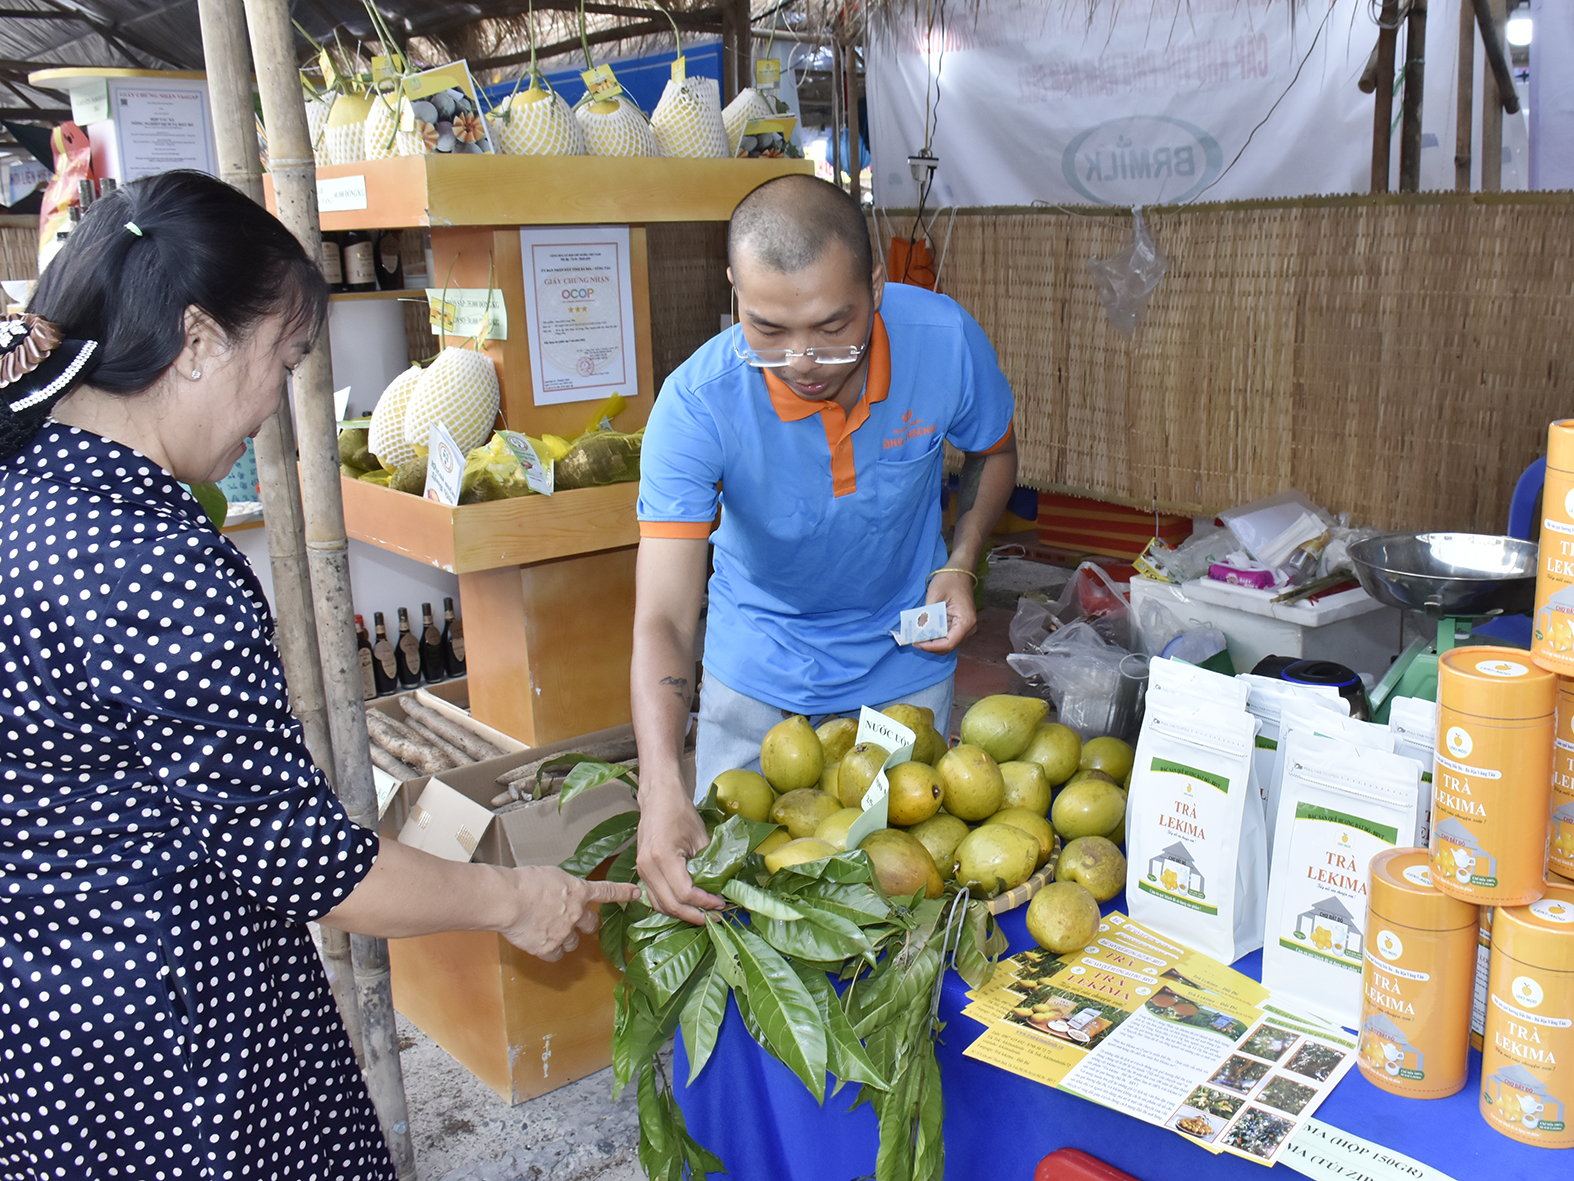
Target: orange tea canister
1492 790
1478 1005
1560 851
1527 1066
1417 988
1552 637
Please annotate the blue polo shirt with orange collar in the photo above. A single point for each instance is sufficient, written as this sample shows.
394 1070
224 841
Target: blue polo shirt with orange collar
830 521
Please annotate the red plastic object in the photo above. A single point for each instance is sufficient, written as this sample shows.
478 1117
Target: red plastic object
1072 1164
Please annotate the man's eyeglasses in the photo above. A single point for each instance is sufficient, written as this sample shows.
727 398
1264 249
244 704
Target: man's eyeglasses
834 354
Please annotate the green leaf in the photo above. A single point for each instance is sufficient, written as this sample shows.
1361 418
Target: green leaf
844 867
638 1031
972 959
601 842
214 503
786 1013
588 773
623 868
761 903
612 933
718 862
656 922
908 991
662 967
702 1016
809 940
857 901
702 1162
928 1143
846 1058
660 1142
726 953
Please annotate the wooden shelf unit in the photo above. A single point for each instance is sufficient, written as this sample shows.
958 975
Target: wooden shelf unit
546 584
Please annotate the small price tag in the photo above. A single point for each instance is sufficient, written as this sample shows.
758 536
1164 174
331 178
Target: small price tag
601 82
680 69
768 72
540 473
383 70
445 466
330 75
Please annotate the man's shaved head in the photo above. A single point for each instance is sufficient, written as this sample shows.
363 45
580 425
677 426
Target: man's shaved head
787 223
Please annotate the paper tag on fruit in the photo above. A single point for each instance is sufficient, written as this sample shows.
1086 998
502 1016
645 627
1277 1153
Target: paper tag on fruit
540 473
922 623
602 83
767 72
892 736
680 69
445 466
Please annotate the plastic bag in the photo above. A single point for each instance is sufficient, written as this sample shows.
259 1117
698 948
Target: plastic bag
1126 278
492 473
1092 595
1031 626
1081 670
599 458
1273 528
1190 559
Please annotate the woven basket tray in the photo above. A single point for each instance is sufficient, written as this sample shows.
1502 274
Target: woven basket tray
1012 899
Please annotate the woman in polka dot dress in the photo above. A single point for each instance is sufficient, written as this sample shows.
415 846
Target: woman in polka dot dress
164 835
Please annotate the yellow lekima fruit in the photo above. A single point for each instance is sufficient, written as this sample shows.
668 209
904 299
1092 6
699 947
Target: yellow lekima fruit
536 122
345 132
687 120
385 438
616 127
317 109
380 132
460 390
750 104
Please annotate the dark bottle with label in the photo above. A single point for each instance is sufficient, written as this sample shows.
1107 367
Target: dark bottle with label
363 653
453 641
360 272
408 654
431 647
385 667
388 259
333 262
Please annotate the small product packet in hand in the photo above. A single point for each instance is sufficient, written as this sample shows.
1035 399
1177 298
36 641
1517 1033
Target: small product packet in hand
922 623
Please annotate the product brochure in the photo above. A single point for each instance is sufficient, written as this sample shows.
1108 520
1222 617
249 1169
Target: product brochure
1146 1026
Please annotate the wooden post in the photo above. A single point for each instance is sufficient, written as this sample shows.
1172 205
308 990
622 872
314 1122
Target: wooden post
848 81
1415 82
227 58
1464 106
1383 109
838 120
1492 98
294 173
737 49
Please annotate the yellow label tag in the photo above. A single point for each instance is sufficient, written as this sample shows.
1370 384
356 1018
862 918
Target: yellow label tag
601 82
767 72
680 69
383 70
443 314
330 76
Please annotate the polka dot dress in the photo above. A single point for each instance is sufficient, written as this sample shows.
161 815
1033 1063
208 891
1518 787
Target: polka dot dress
164 837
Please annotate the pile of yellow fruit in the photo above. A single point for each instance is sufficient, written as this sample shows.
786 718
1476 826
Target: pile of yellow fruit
1014 794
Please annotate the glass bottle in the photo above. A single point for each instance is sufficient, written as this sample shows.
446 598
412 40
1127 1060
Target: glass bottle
431 647
385 669
408 656
453 641
363 653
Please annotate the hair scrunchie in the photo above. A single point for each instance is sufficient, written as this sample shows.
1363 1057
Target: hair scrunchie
38 367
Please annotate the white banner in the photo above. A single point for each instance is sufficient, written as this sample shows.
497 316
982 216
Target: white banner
1144 103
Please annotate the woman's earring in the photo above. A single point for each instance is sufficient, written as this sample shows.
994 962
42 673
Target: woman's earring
195 374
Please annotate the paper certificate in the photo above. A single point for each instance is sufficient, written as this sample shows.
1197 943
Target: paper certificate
579 303
162 124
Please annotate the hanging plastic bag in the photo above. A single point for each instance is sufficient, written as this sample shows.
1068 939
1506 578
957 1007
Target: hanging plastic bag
1092 595
1126 278
1081 670
1031 626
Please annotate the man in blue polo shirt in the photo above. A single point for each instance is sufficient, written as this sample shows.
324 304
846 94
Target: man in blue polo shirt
816 426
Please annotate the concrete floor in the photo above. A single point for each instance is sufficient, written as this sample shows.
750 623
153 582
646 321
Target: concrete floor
464 1132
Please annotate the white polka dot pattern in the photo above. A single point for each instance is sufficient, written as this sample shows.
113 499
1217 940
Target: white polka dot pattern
164 836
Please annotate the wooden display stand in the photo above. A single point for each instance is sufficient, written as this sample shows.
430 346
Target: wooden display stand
546 585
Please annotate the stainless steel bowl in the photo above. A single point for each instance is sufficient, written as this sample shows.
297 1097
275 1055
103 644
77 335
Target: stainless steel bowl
1462 574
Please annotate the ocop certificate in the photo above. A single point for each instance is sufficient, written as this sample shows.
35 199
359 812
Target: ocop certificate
580 307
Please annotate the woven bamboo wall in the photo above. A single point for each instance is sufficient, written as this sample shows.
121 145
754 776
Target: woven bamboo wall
1398 359
688 288
19 249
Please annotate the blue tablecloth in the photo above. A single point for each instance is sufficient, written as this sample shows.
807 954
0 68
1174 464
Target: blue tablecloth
754 1114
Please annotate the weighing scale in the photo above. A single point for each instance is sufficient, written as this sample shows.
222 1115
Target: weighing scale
1456 579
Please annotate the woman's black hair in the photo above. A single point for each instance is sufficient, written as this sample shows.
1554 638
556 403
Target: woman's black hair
196 242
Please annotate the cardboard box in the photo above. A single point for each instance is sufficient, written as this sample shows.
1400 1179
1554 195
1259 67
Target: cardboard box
451 704
522 1026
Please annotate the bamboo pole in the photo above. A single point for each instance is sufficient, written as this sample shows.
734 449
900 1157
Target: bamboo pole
1383 108
295 188
849 84
1490 14
837 120
227 58
1415 84
1464 103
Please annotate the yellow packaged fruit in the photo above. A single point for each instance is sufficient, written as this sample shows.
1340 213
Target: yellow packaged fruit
492 473
385 438
600 458
460 390
380 132
317 110
750 104
537 122
616 127
344 134
687 121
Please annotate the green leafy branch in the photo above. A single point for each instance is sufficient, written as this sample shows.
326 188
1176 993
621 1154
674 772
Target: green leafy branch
774 949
